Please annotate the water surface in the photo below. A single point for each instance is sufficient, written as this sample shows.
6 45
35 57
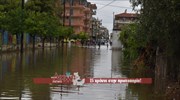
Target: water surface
17 72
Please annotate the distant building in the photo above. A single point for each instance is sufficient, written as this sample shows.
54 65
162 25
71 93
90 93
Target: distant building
119 21
123 19
104 33
95 28
78 14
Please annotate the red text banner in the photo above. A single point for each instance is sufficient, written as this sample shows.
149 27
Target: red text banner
69 80
118 80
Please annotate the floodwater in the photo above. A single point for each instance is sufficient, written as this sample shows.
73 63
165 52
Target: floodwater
17 73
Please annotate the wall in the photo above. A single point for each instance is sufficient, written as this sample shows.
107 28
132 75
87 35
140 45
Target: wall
116 44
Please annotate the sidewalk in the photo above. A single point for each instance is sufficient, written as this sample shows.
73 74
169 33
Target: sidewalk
12 47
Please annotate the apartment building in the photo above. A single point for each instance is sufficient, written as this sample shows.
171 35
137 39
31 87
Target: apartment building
119 21
123 19
78 14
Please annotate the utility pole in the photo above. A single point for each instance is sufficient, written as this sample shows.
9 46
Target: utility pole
113 21
70 12
22 34
92 29
64 8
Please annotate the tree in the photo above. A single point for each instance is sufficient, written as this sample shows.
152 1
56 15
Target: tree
34 26
2 20
8 10
59 34
39 18
47 17
67 31
40 6
132 41
83 36
15 21
159 24
12 9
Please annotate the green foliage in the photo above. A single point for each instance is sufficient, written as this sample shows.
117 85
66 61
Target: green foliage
8 8
35 23
132 41
40 6
2 20
67 32
160 21
83 36
15 21
7 5
59 32
38 18
74 36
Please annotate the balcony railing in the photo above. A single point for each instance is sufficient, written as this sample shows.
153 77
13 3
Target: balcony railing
74 24
87 10
75 6
74 15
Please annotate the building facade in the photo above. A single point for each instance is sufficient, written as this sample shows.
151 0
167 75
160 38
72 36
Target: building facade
104 32
119 21
95 28
78 14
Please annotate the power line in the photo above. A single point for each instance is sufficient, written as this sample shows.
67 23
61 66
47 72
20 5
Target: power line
116 6
107 0
106 5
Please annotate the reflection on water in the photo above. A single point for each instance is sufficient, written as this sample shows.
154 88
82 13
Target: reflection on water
17 72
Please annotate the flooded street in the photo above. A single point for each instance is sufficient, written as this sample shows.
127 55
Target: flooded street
17 73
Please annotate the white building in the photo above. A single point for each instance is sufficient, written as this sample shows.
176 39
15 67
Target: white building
116 44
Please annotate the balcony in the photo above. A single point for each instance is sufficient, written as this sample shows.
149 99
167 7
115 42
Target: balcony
124 21
86 27
87 10
75 24
78 15
76 6
74 15
86 19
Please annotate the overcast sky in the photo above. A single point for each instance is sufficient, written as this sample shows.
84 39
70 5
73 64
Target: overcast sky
105 9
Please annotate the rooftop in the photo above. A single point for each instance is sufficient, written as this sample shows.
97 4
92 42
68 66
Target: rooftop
93 6
126 15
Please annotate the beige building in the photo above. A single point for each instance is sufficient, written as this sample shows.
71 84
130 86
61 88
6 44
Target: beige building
78 14
123 19
119 21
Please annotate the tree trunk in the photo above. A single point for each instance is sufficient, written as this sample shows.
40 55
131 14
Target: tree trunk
50 42
62 42
17 42
33 42
43 40
58 41
22 46
160 72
